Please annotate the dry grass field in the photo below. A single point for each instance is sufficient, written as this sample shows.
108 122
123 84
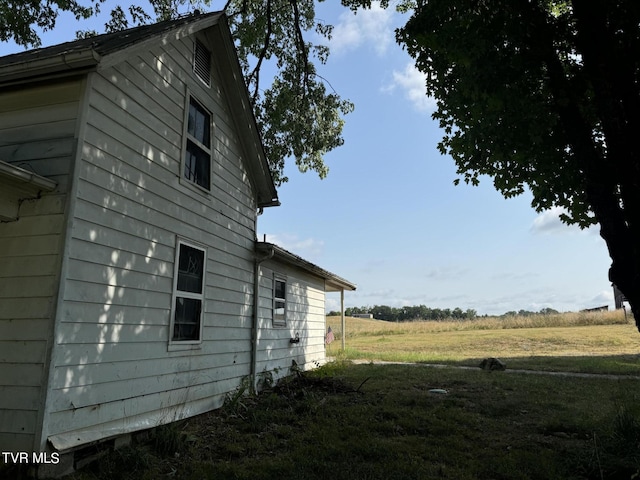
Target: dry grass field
601 342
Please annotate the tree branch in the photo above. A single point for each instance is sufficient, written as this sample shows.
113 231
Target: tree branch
254 76
301 47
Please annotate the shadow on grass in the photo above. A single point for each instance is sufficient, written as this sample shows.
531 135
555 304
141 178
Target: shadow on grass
593 364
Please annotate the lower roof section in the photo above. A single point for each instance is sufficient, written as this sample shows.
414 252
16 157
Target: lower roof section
333 283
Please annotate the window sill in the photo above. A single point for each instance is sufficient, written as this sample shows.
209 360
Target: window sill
184 346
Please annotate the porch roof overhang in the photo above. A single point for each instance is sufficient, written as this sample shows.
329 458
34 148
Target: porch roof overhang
333 282
17 184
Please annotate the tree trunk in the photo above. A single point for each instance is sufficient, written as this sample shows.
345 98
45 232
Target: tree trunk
607 39
622 246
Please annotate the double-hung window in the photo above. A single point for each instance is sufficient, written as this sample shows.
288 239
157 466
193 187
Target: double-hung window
279 301
188 293
197 161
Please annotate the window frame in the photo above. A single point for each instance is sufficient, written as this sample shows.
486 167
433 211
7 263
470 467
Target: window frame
200 146
279 320
176 294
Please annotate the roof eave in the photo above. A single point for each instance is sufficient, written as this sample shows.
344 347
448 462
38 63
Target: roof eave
96 51
65 63
274 202
28 181
17 184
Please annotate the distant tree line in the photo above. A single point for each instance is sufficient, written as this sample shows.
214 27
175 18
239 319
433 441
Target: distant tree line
405 314
422 312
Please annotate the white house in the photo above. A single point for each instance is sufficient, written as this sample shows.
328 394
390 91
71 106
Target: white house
131 178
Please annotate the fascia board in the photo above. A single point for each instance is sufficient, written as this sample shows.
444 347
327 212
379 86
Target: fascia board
24 180
64 63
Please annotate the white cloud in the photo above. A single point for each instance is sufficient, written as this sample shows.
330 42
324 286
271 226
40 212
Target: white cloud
307 248
517 276
368 27
549 222
412 82
605 297
331 304
384 293
447 272
373 265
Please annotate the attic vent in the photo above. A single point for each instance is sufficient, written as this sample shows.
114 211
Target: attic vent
202 63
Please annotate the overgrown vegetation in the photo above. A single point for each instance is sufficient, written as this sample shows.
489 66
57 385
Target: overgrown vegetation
348 421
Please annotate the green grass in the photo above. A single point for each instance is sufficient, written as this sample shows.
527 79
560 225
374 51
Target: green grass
370 421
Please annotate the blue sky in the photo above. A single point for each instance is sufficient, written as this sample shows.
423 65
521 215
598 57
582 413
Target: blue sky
388 216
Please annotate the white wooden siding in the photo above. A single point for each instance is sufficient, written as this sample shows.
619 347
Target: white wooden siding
304 315
37 132
113 370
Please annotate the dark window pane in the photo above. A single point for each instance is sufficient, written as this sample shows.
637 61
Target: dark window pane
190 269
199 124
187 320
191 122
280 289
190 163
197 165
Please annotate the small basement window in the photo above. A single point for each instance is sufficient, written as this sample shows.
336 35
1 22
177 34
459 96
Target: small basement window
188 293
279 302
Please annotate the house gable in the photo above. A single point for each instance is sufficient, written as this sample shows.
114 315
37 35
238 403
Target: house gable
105 51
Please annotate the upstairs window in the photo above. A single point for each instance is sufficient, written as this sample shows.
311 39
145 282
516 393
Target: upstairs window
202 63
188 293
197 162
279 302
